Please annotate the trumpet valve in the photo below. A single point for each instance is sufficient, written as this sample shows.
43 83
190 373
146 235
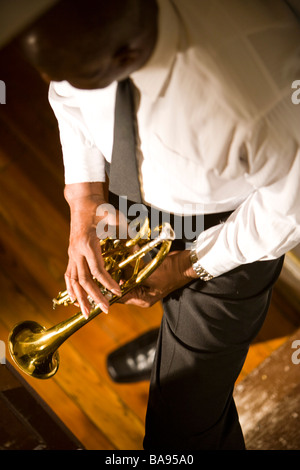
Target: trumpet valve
63 298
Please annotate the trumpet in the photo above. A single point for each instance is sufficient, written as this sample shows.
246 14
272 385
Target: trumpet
34 349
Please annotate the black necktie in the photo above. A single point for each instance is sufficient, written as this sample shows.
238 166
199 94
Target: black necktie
123 173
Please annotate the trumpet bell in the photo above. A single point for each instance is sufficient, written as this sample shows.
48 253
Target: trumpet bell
29 353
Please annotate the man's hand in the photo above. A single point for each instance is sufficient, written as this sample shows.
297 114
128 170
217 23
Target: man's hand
85 258
174 272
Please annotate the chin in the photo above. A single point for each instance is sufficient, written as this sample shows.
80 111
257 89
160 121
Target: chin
90 86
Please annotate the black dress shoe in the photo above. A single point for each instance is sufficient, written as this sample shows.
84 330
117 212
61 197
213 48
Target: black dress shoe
133 361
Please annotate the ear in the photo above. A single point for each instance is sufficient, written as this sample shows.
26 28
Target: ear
126 56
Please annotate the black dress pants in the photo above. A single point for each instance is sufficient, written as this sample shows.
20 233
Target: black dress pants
205 334
204 338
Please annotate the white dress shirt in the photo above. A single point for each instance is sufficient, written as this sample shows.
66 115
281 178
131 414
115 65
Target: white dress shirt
217 126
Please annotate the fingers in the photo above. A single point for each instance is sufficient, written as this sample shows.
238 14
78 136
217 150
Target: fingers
140 297
85 258
99 272
80 284
75 291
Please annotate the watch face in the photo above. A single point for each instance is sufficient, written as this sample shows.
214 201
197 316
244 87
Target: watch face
193 257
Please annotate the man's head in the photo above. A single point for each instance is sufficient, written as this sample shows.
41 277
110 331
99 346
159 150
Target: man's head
91 43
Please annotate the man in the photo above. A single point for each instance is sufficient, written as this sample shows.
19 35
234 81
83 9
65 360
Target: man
218 136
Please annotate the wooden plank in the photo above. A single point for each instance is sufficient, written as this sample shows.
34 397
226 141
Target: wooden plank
25 420
46 175
268 401
279 429
32 229
14 434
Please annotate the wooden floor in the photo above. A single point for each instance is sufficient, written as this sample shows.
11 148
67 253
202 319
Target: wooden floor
34 229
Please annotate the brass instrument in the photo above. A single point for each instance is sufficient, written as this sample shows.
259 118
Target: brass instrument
35 349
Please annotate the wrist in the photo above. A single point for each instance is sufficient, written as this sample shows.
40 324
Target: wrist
199 270
77 191
186 267
82 195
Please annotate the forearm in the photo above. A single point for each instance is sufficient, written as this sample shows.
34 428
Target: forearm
79 193
84 199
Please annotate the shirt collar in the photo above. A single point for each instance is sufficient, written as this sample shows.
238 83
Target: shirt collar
151 78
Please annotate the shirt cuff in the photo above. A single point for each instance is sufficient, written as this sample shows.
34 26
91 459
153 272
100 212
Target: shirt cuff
254 232
86 167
